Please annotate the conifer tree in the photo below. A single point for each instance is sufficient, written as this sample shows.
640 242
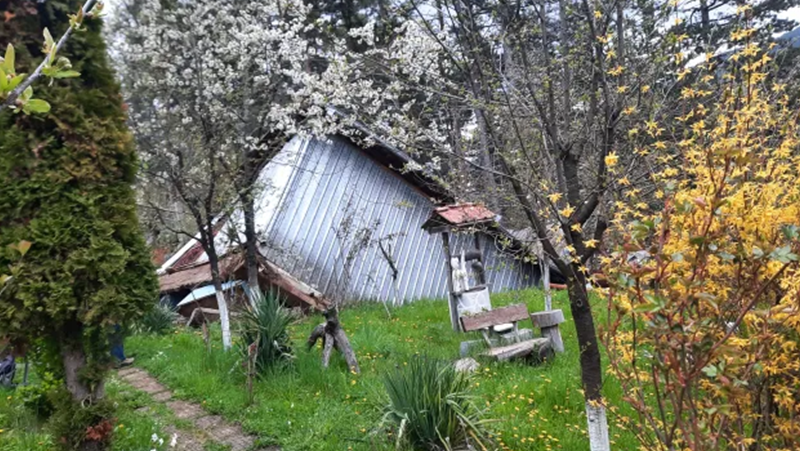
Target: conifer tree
68 231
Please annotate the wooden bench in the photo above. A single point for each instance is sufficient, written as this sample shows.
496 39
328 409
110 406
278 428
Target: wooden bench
540 347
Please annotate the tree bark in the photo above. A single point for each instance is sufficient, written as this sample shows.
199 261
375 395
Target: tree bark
222 304
74 360
84 392
251 239
591 369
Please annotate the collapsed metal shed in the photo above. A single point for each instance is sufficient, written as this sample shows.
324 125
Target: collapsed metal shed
316 188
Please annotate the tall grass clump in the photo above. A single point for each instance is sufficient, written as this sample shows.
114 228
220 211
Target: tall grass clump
431 407
265 323
158 320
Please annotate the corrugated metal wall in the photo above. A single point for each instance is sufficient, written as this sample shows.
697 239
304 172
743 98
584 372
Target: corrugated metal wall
336 180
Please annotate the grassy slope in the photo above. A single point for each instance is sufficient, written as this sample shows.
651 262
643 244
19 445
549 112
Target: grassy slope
305 408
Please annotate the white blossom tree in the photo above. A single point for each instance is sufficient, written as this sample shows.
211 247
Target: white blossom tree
217 89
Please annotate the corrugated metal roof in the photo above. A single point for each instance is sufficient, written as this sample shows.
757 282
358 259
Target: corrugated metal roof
334 180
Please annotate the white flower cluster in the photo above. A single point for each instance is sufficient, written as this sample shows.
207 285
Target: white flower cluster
156 442
230 76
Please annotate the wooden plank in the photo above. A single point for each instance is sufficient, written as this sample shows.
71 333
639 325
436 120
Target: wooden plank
522 349
547 319
510 314
452 301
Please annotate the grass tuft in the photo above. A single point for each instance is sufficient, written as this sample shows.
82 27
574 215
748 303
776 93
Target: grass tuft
159 320
265 324
430 406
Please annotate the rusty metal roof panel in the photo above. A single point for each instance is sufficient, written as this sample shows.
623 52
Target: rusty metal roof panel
463 214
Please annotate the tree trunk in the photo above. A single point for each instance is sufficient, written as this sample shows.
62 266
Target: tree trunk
591 369
251 239
548 296
85 393
74 360
222 304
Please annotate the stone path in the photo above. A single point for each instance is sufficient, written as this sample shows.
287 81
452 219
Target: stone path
207 428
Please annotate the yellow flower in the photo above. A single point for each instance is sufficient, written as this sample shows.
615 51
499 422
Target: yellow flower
576 228
617 71
611 159
567 211
554 197
591 244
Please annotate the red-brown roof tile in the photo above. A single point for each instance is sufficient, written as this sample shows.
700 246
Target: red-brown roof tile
459 214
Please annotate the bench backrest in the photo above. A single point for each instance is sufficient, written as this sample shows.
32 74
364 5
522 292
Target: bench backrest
503 315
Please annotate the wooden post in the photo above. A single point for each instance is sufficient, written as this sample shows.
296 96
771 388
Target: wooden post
548 323
453 301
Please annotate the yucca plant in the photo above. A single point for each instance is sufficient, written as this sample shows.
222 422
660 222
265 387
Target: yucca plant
263 328
158 320
431 408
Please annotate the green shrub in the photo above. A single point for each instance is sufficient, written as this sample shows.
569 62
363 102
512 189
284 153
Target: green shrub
265 322
69 233
76 425
159 320
430 406
36 397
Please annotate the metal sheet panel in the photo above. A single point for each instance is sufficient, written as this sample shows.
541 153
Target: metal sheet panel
335 181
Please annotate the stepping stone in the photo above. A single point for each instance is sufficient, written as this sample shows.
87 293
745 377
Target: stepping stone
124 372
139 376
208 422
239 442
178 440
224 431
185 410
163 396
144 409
150 387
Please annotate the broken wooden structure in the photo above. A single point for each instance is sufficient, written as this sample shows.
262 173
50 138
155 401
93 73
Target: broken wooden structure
540 348
181 284
333 337
465 218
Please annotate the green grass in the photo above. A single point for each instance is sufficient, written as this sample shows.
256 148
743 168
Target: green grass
307 408
22 430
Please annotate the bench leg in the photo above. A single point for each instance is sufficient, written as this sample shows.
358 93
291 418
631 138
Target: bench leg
554 334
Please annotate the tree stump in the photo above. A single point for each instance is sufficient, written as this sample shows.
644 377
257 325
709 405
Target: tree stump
333 337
